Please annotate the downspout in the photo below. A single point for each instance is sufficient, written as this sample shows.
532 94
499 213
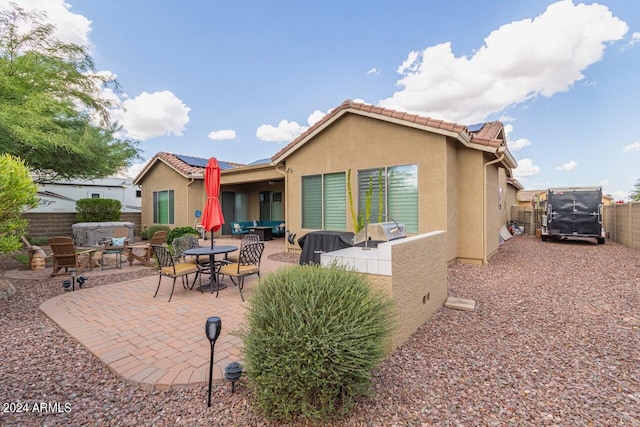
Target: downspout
286 199
485 254
189 194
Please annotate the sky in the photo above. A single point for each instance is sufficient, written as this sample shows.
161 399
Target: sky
238 80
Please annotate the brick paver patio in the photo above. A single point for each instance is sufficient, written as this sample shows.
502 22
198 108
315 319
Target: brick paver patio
152 342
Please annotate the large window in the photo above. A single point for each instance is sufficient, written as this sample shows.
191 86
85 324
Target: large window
391 193
163 207
324 201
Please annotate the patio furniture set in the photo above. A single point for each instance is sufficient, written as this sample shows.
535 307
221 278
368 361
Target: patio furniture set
187 258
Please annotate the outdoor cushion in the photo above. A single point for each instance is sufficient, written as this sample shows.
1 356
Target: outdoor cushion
117 241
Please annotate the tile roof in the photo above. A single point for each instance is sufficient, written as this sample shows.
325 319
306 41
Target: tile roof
184 165
529 195
489 134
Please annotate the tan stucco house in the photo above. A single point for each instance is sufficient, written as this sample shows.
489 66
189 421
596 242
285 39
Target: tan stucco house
428 174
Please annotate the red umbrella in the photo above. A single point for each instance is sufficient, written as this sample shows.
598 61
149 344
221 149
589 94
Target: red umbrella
212 218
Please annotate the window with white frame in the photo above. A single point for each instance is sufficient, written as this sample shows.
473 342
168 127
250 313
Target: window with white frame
389 193
324 201
163 207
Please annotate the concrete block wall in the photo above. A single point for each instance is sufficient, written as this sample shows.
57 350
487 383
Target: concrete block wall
45 225
622 223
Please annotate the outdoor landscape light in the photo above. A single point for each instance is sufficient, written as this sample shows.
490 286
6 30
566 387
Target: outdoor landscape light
232 373
81 281
212 329
73 272
66 283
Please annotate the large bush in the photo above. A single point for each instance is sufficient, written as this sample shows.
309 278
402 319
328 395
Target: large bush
98 210
17 192
181 231
313 336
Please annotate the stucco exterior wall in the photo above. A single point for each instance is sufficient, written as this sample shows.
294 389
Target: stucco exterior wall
453 201
355 142
419 282
188 195
470 215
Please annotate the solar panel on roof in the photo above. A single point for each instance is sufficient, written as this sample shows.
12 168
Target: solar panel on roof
475 128
260 162
224 165
193 161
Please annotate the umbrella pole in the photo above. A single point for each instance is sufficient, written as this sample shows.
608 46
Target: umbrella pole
212 238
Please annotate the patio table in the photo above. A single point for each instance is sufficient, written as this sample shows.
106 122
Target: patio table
211 252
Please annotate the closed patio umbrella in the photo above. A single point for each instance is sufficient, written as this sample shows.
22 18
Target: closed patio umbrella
212 218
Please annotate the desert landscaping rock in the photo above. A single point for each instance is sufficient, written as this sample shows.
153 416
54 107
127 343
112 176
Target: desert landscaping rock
554 340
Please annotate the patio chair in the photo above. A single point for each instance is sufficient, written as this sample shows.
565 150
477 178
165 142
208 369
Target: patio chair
246 239
65 256
181 244
169 268
146 253
248 264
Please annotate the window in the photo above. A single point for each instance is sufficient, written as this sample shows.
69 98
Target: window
391 192
163 207
138 193
324 201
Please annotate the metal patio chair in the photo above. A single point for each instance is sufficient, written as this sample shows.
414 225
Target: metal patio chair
248 264
168 267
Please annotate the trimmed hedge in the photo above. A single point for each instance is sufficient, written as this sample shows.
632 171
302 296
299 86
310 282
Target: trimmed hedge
312 337
98 210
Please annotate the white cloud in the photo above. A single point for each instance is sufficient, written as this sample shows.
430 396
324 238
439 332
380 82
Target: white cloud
525 168
315 117
410 64
605 183
285 131
518 144
70 27
218 135
133 170
373 71
149 115
518 61
632 147
567 167
635 38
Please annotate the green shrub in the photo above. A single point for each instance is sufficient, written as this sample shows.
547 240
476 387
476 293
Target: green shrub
312 337
98 210
181 231
17 192
147 233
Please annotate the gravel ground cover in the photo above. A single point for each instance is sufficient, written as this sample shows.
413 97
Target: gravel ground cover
555 340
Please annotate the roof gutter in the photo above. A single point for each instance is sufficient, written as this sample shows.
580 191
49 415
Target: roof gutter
485 254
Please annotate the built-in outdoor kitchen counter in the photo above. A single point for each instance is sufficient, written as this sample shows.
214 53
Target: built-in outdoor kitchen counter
412 270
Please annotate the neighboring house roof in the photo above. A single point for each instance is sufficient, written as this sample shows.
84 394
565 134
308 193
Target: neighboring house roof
187 166
529 195
487 137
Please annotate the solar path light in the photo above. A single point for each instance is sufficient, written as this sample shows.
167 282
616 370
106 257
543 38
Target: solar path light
212 329
232 373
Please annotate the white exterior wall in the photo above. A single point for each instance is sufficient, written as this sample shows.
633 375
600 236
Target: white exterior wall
62 196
